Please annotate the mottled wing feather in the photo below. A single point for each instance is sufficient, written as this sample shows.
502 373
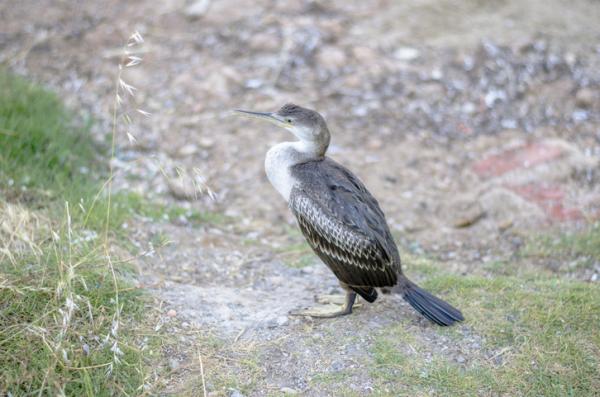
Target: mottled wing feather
343 224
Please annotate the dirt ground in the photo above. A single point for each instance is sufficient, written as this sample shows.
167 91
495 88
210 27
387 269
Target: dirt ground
475 123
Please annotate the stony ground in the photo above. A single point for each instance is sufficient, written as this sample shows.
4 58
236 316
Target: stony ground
475 124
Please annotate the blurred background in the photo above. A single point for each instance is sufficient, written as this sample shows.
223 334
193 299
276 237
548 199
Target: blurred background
475 123
428 88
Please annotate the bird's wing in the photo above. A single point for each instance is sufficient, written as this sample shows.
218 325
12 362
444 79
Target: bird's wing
344 224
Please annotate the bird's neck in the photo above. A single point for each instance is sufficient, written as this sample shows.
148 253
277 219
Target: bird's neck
281 157
310 150
288 154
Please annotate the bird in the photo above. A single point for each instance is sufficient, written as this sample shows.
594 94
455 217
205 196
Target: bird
339 218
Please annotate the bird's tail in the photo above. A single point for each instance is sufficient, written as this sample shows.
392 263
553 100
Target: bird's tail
433 308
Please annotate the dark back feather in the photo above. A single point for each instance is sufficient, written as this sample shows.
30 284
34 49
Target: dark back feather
343 200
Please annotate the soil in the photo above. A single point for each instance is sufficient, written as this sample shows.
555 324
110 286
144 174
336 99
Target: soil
474 123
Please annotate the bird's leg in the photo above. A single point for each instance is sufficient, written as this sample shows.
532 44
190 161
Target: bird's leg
334 299
331 299
330 311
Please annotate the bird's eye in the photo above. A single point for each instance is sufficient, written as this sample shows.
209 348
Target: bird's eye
289 120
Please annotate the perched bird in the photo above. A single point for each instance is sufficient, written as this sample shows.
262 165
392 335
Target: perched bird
339 218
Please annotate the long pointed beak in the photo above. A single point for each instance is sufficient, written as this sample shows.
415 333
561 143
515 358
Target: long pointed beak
271 117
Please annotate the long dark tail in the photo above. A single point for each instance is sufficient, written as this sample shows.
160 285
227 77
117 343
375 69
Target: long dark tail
433 308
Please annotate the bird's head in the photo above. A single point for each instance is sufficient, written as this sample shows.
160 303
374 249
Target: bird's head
306 125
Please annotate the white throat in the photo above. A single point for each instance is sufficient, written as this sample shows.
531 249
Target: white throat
281 157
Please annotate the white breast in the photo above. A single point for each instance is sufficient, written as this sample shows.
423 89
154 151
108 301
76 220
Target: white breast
278 161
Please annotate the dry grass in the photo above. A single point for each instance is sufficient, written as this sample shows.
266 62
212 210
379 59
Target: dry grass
70 315
20 228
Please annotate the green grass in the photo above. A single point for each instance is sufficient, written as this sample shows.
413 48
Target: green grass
544 331
579 248
44 349
61 329
129 203
48 158
297 254
42 153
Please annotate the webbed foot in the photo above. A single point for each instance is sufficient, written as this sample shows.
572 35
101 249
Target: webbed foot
329 310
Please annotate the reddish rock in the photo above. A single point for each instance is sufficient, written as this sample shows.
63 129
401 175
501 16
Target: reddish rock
525 156
550 198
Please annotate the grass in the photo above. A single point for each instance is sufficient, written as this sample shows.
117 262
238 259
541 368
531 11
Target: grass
58 316
48 158
581 248
226 367
129 203
33 146
297 253
541 339
62 330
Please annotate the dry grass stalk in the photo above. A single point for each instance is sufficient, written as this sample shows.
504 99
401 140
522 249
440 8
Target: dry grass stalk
20 231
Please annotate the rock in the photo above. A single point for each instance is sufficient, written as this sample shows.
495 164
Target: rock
337 366
181 188
266 42
584 98
172 313
505 224
579 115
374 144
551 198
187 150
468 108
185 186
235 393
437 74
545 160
464 211
217 84
502 204
406 54
331 57
493 96
173 363
278 322
206 143
352 81
197 9
364 54
332 28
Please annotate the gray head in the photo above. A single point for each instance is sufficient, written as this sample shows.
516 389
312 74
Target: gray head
306 125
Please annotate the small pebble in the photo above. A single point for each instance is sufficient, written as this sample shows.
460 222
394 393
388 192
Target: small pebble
173 363
406 54
584 98
172 313
235 393
197 9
